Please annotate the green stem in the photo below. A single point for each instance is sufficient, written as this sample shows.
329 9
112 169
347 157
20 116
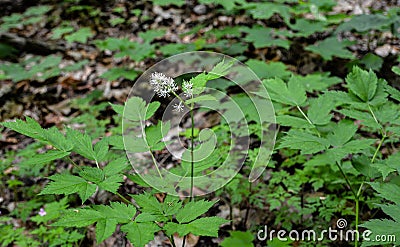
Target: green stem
357 200
346 179
379 147
357 213
308 120
124 199
155 163
191 154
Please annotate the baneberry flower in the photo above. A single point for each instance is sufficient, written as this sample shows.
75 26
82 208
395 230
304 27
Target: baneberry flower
178 107
188 89
162 84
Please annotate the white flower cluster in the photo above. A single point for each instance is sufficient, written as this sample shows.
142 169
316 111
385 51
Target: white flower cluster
178 107
162 84
188 88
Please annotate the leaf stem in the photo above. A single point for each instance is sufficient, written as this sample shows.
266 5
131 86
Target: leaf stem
308 120
155 163
346 179
191 153
379 147
124 199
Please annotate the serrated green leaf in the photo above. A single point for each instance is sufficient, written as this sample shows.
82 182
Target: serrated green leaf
265 10
57 139
264 37
151 109
342 133
199 82
192 210
111 183
148 203
330 47
29 128
117 108
291 94
219 70
67 184
306 142
115 166
155 133
44 158
78 218
365 118
207 226
365 22
306 27
80 36
268 70
201 98
82 143
92 174
104 229
317 81
394 93
122 213
319 111
382 227
116 73
101 150
292 121
139 234
135 109
388 191
394 161
362 83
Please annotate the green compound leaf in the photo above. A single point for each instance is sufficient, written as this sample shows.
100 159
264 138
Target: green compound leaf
29 128
136 109
292 93
155 134
267 10
362 83
264 37
330 47
268 70
192 210
362 23
67 184
92 174
78 218
111 183
291 121
207 226
115 166
139 234
219 70
148 203
342 133
107 218
306 28
82 143
104 229
44 158
320 109
386 227
80 36
306 142
116 73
